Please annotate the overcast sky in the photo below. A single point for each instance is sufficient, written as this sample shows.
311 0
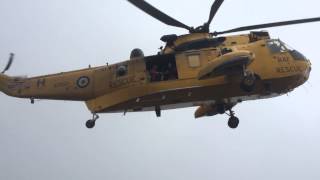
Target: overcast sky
277 138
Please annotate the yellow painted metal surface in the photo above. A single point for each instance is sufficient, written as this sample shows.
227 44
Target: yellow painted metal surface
102 88
206 72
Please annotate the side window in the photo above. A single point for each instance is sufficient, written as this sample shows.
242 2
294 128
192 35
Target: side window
226 51
122 70
194 60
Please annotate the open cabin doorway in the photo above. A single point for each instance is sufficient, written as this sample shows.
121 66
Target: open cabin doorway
161 68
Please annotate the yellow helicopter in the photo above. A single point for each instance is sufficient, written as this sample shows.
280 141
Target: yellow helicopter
200 68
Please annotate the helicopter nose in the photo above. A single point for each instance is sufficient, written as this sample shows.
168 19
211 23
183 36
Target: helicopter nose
308 71
304 73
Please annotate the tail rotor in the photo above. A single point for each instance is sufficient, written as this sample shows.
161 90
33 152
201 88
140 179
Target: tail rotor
10 61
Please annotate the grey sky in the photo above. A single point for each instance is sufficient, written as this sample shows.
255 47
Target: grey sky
277 138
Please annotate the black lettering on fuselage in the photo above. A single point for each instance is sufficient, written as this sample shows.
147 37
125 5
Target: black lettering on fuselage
282 59
289 69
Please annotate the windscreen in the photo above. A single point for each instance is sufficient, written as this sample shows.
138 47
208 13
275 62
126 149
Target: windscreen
277 46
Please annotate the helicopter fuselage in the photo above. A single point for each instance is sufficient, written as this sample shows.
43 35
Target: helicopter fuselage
171 79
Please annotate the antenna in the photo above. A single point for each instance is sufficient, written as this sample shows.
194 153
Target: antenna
10 61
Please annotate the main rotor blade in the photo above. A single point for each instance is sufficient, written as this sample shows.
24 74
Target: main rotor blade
214 9
269 25
154 12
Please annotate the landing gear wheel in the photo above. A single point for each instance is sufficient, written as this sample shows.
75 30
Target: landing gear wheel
233 122
248 83
90 123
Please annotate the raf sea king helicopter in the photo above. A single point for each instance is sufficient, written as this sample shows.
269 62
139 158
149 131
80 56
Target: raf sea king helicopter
201 68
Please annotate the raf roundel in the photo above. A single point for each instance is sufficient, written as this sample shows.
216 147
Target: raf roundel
83 82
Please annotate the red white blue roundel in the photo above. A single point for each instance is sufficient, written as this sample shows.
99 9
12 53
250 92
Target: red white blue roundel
83 82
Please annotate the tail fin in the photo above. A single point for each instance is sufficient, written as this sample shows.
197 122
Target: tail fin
4 79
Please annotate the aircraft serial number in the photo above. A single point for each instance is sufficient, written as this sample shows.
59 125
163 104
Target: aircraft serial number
290 69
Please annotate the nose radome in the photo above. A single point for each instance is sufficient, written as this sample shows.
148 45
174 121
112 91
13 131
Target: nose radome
305 74
308 71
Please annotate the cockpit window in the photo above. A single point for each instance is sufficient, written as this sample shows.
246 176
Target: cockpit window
297 55
276 46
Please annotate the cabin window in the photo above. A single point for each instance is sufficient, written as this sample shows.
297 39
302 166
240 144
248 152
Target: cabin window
122 70
161 68
225 51
194 60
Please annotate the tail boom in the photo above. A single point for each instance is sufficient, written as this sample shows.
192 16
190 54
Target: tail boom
4 81
75 86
